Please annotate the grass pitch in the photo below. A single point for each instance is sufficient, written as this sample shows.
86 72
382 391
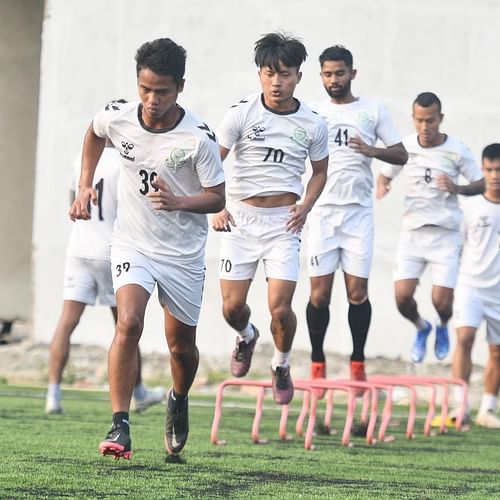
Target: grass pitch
53 456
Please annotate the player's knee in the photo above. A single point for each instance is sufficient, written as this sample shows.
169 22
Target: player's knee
403 301
320 300
182 351
465 341
281 313
129 325
495 354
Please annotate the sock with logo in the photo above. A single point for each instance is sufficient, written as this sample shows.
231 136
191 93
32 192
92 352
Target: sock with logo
317 323
176 399
121 419
247 334
359 317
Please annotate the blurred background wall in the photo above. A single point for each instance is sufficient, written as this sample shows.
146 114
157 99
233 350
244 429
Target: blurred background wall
400 48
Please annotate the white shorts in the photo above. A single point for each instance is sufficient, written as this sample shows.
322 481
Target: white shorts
470 309
340 235
260 234
180 284
86 280
433 245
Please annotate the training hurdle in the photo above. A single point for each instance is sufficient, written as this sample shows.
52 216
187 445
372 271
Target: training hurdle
432 383
261 385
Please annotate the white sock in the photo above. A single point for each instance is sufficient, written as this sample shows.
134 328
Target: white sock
247 334
440 323
280 359
458 396
54 391
420 323
488 403
140 391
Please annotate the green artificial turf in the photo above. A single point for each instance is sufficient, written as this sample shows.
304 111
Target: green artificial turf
53 456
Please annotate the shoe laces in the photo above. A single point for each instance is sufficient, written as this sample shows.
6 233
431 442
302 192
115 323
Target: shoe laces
281 378
240 350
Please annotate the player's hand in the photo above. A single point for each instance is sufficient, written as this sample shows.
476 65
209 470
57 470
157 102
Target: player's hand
222 221
298 218
383 186
357 144
79 207
444 183
164 198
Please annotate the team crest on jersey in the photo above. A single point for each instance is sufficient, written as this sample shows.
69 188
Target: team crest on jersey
365 120
127 148
177 159
255 135
300 136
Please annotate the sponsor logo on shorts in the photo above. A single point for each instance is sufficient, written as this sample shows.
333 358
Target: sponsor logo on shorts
176 159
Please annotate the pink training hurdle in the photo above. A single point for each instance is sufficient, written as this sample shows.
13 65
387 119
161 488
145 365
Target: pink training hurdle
431 382
262 385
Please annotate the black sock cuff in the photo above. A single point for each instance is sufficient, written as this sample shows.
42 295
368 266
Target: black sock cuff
176 398
121 419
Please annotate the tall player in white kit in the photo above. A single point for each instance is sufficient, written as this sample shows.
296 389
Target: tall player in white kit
478 287
88 278
431 221
271 135
340 226
171 177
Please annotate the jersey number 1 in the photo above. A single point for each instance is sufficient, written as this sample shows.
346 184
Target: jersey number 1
99 187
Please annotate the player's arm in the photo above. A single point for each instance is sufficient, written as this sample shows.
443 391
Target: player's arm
93 146
444 183
383 186
313 190
210 201
395 154
223 220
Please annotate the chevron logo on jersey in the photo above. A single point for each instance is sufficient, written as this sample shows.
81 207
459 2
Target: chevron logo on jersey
209 132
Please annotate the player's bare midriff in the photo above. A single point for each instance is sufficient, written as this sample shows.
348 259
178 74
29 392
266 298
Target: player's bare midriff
280 200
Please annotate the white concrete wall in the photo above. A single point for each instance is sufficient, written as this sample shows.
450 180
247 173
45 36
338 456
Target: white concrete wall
400 49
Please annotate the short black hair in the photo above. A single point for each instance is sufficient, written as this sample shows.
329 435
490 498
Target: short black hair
162 56
491 152
427 99
277 47
336 53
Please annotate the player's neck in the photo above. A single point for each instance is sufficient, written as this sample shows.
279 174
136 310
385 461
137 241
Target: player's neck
435 141
492 195
347 99
166 121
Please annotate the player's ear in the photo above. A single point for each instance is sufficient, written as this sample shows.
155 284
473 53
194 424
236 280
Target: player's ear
353 73
299 76
180 87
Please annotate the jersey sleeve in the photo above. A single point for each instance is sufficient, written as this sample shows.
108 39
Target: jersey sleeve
229 130
390 171
318 149
103 118
385 130
209 164
468 166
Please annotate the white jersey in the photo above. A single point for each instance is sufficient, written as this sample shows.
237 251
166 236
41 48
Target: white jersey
350 177
90 239
425 203
480 265
186 157
270 148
